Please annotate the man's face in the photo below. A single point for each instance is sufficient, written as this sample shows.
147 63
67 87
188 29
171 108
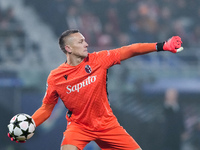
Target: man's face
77 46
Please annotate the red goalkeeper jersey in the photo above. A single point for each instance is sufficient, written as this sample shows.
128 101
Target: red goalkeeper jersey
83 90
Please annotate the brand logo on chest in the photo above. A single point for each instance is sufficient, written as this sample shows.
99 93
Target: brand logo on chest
77 87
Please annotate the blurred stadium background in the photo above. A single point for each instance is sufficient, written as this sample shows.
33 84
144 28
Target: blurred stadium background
29 31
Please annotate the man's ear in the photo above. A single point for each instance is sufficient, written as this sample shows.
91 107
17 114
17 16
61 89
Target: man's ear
68 49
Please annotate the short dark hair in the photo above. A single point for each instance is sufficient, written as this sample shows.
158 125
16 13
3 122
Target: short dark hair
62 38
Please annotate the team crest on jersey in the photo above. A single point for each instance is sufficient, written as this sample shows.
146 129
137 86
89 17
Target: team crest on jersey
88 69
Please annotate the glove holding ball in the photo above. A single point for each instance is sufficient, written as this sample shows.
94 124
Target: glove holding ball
21 128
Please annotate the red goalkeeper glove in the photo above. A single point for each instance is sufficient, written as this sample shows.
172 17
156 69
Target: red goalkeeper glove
173 45
12 138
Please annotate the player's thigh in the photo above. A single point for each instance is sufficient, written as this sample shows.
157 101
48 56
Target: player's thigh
117 139
68 147
77 136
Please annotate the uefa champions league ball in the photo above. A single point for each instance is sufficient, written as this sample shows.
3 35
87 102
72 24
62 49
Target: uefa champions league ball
21 127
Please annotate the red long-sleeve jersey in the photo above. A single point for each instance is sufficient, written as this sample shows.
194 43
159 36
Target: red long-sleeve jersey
83 88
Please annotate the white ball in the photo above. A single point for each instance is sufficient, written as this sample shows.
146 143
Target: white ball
21 127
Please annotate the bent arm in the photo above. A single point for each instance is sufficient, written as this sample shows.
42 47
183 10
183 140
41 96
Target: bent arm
43 113
136 49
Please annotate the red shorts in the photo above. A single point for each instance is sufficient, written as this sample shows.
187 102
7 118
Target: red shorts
114 138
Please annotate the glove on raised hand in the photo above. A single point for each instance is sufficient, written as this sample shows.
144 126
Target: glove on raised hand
173 45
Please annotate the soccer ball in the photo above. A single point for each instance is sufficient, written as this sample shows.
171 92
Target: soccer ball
21 127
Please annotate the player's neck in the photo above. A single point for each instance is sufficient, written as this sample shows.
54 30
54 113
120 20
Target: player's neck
74 61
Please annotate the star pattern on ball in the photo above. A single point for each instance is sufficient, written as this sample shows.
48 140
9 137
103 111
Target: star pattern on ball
29 120
25 133
16 123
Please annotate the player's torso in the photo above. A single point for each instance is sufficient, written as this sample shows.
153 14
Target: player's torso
83 91
77 85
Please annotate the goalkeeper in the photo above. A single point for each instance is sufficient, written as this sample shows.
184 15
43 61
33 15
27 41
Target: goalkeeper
80 82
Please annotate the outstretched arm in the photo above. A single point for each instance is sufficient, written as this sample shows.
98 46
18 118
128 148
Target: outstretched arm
173 45
43 113
136 49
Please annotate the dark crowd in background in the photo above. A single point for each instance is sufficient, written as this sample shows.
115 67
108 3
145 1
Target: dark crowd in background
107 23
120 22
